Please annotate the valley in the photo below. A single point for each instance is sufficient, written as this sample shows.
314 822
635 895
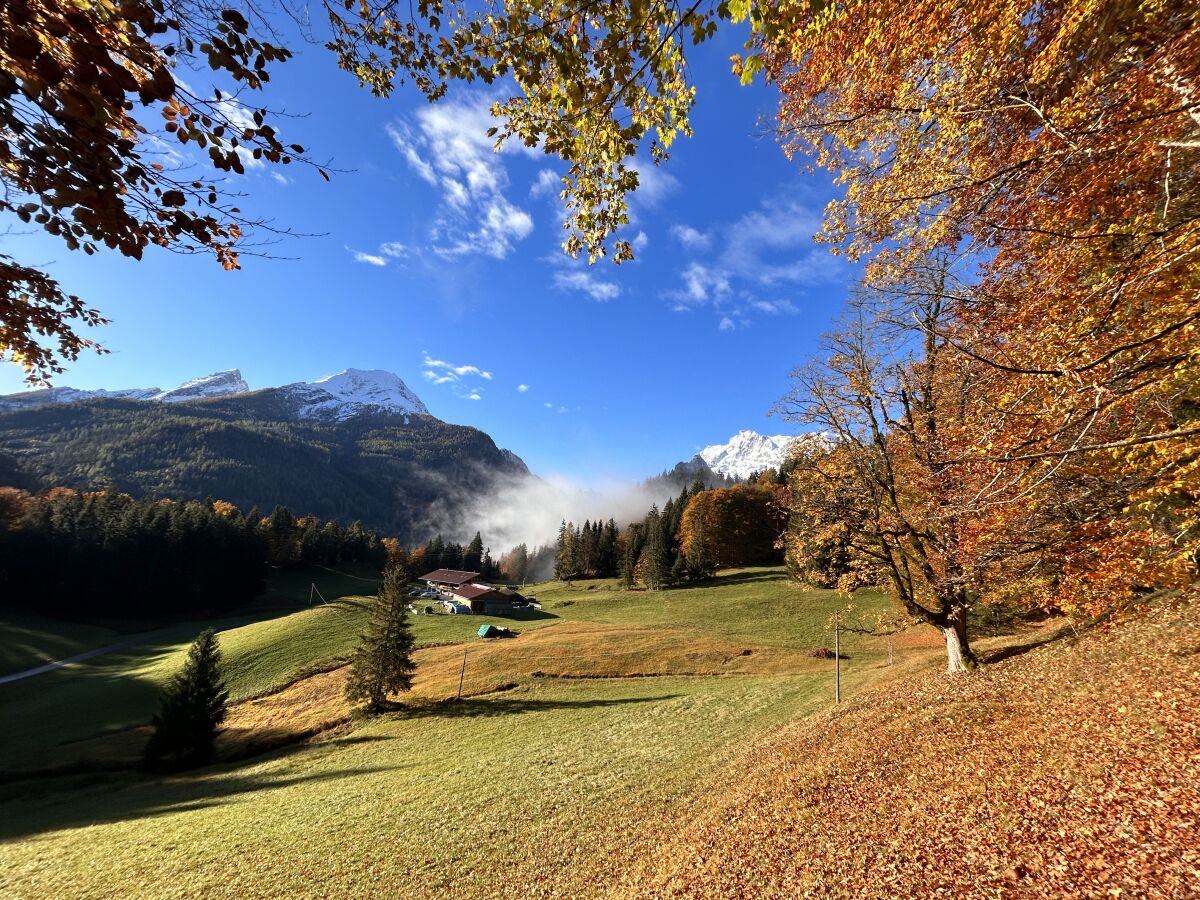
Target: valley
703 450
583 751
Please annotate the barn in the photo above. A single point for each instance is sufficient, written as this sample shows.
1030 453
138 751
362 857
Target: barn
484 600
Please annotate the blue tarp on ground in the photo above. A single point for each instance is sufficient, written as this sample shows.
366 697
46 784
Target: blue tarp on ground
488 631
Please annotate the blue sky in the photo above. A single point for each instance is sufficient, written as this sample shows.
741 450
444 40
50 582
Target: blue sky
427 247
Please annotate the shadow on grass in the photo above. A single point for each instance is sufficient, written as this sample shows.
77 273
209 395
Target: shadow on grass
492 706
529 615
743 578
36 806
1015 650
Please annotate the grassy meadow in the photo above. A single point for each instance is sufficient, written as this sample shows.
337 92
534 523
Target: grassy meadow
578 744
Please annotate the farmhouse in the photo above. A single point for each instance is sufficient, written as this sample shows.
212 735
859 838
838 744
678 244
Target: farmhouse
484 599
446 581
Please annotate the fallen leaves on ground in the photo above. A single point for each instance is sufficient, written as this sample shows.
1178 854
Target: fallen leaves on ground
1072 770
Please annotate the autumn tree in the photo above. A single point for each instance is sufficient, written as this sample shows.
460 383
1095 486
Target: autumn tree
1054 150
734 526
889 490
92 110
825 519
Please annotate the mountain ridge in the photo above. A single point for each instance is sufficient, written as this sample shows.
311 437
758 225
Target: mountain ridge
343 395
356 445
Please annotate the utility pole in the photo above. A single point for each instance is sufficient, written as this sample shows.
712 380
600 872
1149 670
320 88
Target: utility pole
461 675
837 658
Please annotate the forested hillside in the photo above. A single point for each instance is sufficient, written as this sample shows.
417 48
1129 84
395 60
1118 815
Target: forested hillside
397 474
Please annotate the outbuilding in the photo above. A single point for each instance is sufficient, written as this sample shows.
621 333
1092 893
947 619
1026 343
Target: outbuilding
484 600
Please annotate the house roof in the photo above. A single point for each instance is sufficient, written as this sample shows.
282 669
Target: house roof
473 591
450 576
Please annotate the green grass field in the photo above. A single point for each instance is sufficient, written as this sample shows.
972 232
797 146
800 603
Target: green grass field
543 787
271 642
28 640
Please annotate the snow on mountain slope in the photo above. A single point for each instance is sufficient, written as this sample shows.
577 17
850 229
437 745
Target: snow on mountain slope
337 397
355 391
747 452
219 384
58 395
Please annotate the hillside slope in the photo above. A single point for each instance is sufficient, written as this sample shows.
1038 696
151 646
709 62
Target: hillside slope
1072 770
399 473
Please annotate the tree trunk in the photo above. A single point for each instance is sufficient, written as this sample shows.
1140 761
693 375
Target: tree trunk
960 658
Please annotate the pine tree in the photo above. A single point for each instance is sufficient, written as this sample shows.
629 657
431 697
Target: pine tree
192 708
560 552
655 564
679 570
473 555
609 561
631 552
383 664
566 559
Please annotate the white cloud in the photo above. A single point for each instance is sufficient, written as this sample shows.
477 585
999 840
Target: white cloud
547 184
393 249
404 141
280 177
701 283
639 242
458 376
447 146
522 388
369 258
774 307
655 184
596 288
561 410
691 238
767 250
548 405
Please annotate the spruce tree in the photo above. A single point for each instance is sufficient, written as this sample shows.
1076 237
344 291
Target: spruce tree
473 555
679 570
192 708
383 664
655 562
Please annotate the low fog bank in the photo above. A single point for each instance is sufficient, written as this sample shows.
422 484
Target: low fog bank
528 509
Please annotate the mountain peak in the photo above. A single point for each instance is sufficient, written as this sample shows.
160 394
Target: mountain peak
747 452
354 391
218 384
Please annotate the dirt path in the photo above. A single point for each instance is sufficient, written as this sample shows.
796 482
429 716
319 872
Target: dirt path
59 663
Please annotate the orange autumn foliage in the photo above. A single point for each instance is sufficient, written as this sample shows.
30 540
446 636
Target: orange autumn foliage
1052 151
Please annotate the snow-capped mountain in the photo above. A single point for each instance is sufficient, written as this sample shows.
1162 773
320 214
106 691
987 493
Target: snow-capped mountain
57 395
747 452
353 392
349 393
218 384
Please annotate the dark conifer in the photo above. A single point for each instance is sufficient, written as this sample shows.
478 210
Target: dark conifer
192 710
383 664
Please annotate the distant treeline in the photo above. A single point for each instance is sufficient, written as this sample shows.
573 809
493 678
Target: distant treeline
106 555
437 554
695 533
